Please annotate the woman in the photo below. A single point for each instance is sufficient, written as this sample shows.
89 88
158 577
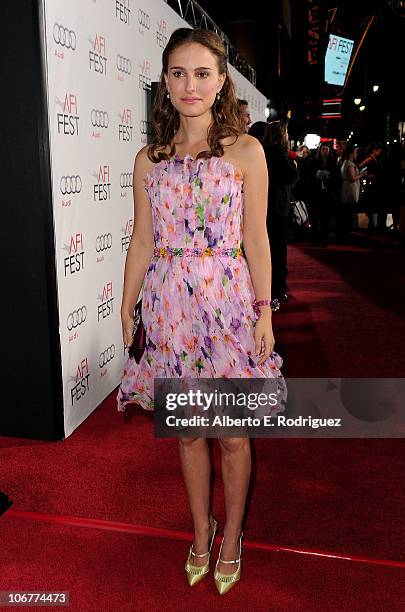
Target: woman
321 198
282 174
350 189
198 291
376 192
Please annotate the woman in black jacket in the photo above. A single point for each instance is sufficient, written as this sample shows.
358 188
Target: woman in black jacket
322 196
282 174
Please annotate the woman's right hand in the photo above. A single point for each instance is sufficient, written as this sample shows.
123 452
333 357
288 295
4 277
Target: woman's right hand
127 326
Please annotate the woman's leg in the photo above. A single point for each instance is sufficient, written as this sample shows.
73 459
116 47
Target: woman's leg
236 466
196 469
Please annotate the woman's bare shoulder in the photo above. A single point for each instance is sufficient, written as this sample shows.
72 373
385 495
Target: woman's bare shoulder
142 163
245 151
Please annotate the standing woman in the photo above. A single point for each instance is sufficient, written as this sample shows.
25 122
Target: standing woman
282 175
322 196
350 189
198 290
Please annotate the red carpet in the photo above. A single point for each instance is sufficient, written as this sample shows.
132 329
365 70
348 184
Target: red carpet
343 497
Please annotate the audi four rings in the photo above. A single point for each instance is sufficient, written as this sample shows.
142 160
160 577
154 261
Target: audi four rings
70 184
103 242
126 179
145 127
106 356
143 19
76 318
124 64
64 37
99 118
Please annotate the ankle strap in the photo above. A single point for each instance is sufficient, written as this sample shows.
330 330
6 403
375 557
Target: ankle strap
195 554
234 561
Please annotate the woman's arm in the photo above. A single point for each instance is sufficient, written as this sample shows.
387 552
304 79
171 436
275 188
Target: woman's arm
353 177
140 250
255 238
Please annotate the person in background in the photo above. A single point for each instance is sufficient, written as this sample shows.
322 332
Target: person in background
341 219
282 174
303 152
243 108
321 194
301 187
350 190
375 193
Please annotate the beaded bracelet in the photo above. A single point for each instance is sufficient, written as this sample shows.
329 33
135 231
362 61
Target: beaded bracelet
274 305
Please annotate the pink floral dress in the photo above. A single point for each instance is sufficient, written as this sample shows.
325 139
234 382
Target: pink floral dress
197 294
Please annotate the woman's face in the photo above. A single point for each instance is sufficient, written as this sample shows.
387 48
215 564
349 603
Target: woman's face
193 79
324 151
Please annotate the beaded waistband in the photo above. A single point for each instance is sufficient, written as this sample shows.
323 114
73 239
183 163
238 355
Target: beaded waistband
197 252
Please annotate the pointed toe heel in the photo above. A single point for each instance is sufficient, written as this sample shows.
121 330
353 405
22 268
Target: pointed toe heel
195 573
224 582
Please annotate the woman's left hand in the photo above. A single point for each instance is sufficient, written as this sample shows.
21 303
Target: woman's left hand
264 338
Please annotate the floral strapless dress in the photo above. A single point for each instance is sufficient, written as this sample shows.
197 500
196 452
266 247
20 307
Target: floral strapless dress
197 296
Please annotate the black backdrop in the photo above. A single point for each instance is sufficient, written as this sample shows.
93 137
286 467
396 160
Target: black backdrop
31 379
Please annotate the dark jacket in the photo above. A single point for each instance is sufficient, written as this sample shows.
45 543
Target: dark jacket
282 175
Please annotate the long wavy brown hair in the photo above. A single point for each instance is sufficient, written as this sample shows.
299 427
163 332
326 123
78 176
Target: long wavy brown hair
166 118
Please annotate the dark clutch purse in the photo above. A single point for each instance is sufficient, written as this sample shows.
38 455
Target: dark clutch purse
137 347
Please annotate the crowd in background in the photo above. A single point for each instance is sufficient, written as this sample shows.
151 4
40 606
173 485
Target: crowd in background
333 184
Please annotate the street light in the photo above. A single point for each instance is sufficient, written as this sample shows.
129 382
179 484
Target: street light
362 108
376 88
357 101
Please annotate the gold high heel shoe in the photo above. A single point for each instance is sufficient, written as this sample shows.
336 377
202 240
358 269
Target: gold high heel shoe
224 582
195 573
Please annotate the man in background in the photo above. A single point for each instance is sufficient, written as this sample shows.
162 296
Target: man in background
244 114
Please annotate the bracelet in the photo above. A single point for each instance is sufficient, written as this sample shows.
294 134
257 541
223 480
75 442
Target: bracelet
274 305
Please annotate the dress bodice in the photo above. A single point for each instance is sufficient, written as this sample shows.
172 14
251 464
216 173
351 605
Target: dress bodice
196 203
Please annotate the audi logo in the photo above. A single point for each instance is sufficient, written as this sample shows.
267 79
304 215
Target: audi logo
64 37
70 184
145 127
76 318
143 19
125 179
106 356
124 64
103 242
99 118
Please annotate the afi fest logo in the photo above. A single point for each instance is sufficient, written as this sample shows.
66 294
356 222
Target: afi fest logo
97 56
143 21
125 183
64 38
68 119
105 308
145 81
161 34
127 233
125 125
74 262
102 188
122 10
81 381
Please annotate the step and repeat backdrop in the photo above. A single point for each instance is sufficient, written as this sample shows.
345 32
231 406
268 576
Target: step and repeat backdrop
101 58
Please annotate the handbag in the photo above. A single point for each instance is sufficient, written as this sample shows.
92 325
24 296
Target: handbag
137 347
299 213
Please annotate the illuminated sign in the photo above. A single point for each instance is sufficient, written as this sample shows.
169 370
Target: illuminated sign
337 59
331 108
